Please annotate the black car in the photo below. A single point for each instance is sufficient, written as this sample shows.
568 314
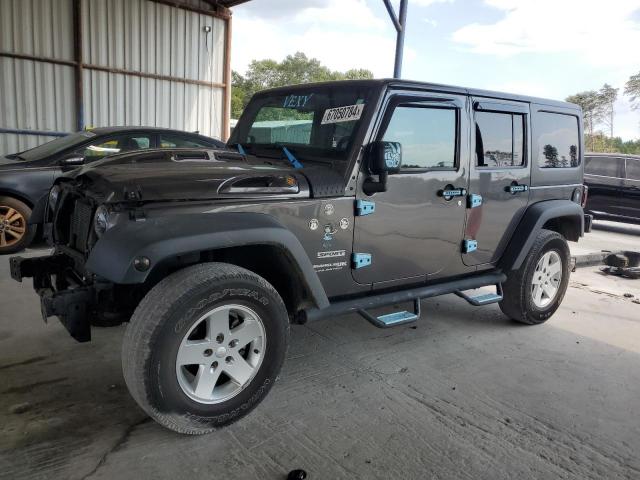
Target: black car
614 186
26 176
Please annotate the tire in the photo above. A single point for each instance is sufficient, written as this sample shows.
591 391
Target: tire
523 302
158 338
15 232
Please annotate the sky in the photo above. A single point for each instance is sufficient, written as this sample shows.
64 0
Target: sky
546 48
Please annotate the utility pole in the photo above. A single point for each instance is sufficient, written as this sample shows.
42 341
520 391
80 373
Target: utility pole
400 23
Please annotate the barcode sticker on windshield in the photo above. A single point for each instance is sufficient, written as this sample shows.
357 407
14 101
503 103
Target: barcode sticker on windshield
342 114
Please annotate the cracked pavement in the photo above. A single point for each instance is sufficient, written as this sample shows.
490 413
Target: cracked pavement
466 394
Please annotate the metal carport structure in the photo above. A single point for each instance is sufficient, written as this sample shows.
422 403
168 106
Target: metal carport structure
69 64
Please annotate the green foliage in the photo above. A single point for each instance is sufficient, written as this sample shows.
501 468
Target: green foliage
632 90
599 142
294 69
593 108
598 110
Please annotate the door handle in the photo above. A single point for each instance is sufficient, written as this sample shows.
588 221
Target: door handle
449 192
515 187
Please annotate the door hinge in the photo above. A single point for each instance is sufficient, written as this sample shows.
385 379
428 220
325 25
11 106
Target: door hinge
469 245
364 207
360 260
474 200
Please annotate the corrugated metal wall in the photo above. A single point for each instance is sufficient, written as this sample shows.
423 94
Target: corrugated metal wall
134 35
35 95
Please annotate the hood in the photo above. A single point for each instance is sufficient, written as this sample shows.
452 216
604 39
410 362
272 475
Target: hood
17 164
189 180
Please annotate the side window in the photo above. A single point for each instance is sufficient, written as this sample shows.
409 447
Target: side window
427 136
604 166
558 140
633 169
177 141
105 147
499 139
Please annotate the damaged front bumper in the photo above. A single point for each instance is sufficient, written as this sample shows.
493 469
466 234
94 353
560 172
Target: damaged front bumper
61 292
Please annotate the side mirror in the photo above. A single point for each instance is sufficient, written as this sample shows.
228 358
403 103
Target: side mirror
72 160
385 158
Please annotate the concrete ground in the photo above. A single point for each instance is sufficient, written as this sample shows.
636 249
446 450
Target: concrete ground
465 394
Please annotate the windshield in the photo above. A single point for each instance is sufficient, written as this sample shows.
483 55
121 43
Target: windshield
317 123
55 146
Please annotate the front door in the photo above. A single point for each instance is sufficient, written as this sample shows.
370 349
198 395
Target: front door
414 230
500 174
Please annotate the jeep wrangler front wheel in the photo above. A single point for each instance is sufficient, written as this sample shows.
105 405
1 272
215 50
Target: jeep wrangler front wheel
534 292
205 346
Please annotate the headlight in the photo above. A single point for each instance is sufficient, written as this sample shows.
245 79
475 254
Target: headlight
54 194
101 220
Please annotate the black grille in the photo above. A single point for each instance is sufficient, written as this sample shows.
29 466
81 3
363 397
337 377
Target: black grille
80 225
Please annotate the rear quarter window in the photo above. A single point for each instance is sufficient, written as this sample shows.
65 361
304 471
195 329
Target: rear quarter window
604 166
558 140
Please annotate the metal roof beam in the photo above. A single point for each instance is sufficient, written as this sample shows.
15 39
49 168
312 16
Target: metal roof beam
400 24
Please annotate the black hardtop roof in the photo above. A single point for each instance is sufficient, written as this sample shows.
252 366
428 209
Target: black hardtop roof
394 82
612 154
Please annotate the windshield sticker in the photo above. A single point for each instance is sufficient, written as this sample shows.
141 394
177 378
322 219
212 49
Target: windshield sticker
343 114
296 101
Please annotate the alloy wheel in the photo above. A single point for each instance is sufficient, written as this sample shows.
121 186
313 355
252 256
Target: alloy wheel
546 279
220 354
13 226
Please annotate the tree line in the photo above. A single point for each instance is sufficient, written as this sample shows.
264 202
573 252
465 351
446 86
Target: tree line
597 105
599 114
294 69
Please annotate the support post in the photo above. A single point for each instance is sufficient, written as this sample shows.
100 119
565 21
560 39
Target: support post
77 53
397 68
226 111
400 24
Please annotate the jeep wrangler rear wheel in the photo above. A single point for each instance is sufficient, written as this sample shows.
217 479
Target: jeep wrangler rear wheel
205 346
534 292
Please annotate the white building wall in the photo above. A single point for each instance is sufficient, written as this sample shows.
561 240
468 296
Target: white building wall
127 35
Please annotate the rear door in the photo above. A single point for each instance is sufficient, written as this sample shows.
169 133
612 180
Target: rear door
605 178
631 189
414 231
500 174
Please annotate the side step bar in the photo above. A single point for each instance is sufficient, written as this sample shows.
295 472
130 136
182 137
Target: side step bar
483 298
393 319
355 305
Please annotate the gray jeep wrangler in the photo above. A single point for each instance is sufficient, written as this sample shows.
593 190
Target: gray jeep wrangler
333 198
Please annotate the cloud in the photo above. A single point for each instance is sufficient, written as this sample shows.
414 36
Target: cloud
277 8
605 34
342 34
429 21
426 3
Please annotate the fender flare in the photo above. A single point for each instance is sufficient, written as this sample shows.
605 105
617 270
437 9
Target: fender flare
530 225
159 239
